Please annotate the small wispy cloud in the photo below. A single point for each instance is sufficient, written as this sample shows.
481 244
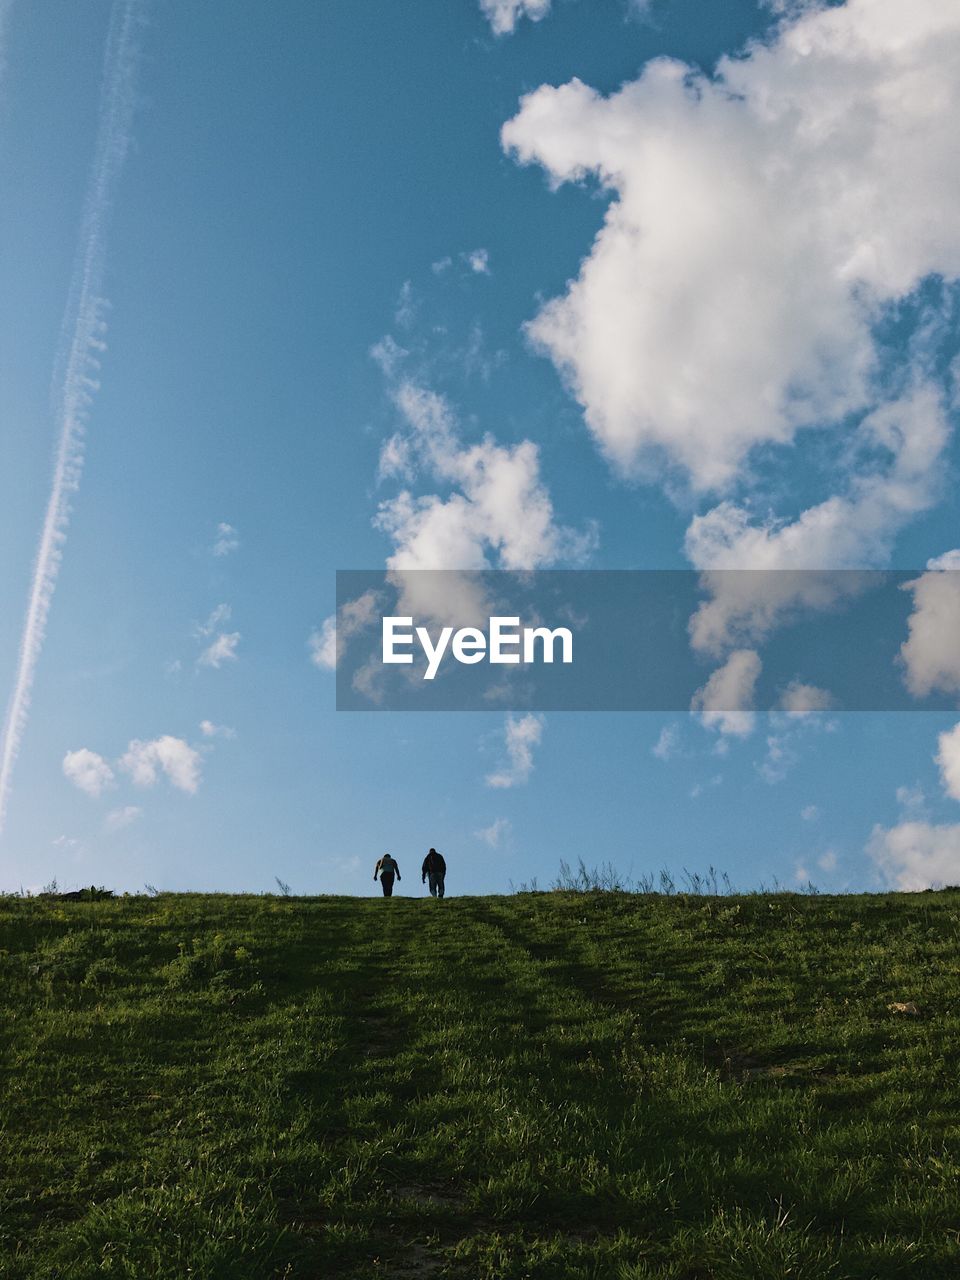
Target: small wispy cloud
211 730
222 649
226 541
503 15
77 363
478 260
521 735
699 788
668 743
495 834
217 617
118 819
327 644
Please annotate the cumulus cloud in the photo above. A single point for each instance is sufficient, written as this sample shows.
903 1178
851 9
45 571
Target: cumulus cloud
917 855
179 762
118 819
948 758
227 540
930 654
949 560
725 701
499 506
495 834
503 15
762 220
521 735
222 649
904 439
88 771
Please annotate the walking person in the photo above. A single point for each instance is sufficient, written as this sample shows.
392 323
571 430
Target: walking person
386 869
434 867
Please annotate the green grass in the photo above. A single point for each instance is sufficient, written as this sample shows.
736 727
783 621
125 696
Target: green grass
563 1085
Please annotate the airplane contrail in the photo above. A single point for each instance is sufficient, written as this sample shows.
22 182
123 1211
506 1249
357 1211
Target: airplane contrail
74 380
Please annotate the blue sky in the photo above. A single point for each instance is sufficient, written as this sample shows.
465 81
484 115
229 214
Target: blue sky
343 253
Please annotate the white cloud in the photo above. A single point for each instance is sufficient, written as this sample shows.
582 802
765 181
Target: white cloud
761 221
801 874
222 649
779 759
827 861
725 701
328 643
388 354
810 813
211 730
698 788
930 654
799 700
503 15
949 560
912 799
668 743
227 540
406 308
117 819
499 506
917 855
844 532
145 761
948 758
217 617
521 735
88 771
478 260
495 834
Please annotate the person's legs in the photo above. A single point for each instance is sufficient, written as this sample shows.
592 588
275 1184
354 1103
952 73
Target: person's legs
387 884
440 875
432 882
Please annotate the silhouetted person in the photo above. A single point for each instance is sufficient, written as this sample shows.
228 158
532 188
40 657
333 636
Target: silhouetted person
434 867
386 869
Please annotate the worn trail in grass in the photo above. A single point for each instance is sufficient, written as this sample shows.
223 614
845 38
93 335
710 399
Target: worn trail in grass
550 1085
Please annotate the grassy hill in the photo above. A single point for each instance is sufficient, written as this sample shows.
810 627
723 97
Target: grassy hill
548 1085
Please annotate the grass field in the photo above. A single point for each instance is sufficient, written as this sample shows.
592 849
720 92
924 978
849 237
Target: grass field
562 1085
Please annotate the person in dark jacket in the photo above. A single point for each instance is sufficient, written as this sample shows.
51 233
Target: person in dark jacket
386 869
434 867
